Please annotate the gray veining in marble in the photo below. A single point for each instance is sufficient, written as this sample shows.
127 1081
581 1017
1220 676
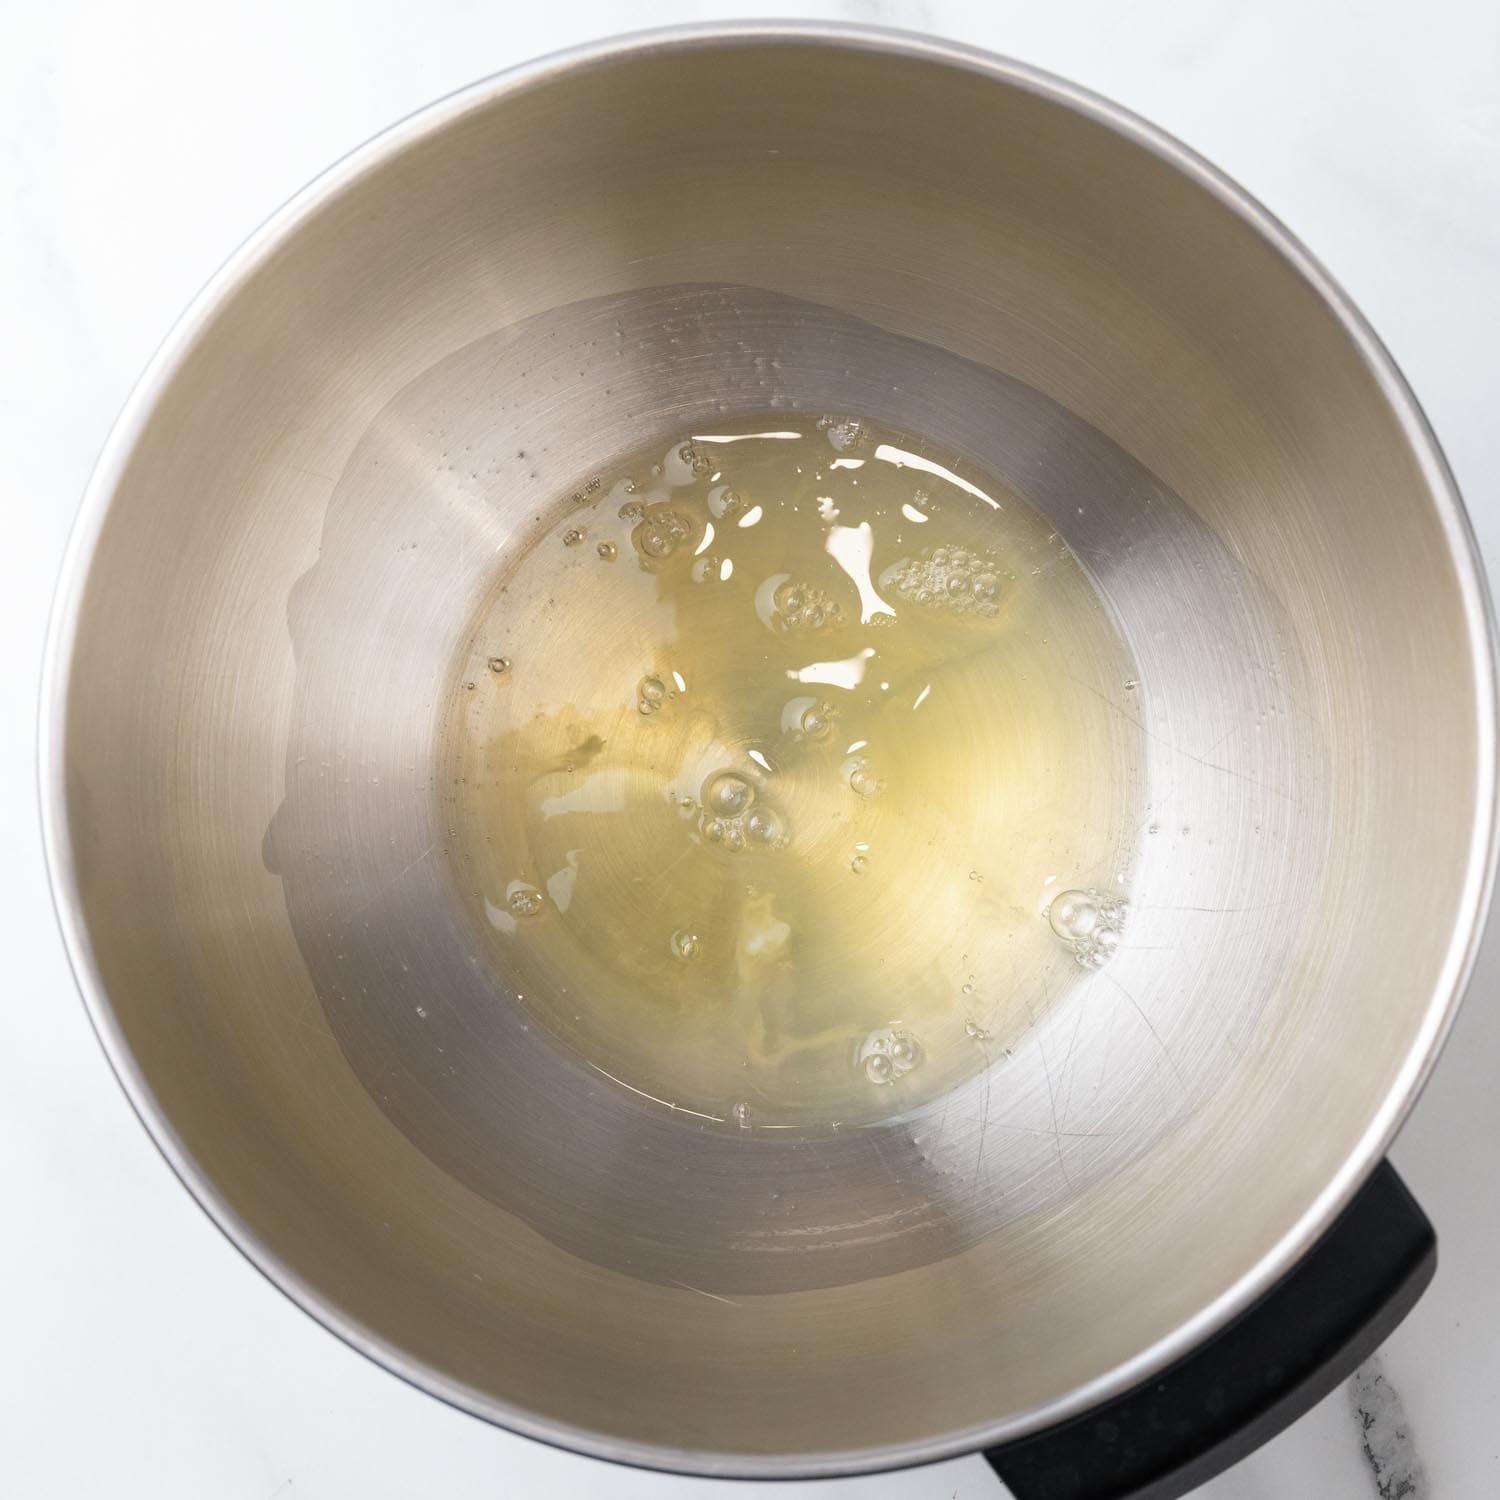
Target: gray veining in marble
1386 1436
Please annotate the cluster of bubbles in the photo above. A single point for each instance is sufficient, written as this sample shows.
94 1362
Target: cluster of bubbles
572 536
844 433
887 1055
1090 923
816 722
524 900
862 777
650 694
731 818
725 504
661 532
951 578
808 719
798 608
686 946
694 459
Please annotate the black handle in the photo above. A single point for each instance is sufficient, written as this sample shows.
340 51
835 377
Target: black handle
1262 1372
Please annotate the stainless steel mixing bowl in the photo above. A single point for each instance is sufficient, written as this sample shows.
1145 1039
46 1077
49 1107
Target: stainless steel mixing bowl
306 499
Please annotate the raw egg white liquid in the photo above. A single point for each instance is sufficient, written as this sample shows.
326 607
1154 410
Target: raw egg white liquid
793 772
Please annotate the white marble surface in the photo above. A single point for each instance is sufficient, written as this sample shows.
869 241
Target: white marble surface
138 143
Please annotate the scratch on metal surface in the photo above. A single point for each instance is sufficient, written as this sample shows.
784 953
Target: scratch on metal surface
1107 1051
1233 729
1062 1135
391 880
1213 765
322 1030
1220 910
680 1109
984 1119
712 1296
1062 1166
984 1108
942 1124
1385 1435
1166 1051
1069 1071
1176 749
1119 708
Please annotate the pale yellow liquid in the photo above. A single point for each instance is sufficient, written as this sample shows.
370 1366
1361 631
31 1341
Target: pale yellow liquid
761 795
